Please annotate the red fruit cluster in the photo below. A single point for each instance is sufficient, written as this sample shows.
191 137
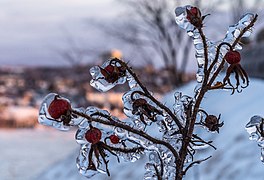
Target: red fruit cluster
58 107
93 135
233 57
114 139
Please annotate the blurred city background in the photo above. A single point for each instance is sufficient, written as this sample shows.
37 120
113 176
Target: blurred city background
49 46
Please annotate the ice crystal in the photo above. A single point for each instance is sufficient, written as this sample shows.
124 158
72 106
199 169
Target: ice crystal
233 32
255 128
132 83
182 103
153 167
83 162
60 123
140 108
107 76
183 22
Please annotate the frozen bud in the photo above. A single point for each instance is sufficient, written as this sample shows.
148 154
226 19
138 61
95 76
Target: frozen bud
212 123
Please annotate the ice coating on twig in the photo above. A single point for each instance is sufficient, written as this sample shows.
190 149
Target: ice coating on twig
62 122
132 83
139 107
182 103
255 129
83 162
183 22
107 76
234 30
166 137
231 35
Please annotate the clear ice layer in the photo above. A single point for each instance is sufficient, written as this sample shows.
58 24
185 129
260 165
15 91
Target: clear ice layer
144 115
99 79
46 119
232 33
255 129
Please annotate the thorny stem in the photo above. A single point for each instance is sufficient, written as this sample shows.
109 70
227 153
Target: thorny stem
148 94
136 92
114 123
186 141
205 49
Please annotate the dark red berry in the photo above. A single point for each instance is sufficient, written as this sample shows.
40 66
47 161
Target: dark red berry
93 135
194 17
109 68
110 73
193 12
114 139
58 107
233 57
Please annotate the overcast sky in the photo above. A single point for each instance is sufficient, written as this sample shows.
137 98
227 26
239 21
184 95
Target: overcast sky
30 29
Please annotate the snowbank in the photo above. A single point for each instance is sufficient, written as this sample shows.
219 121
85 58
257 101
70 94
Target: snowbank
236 158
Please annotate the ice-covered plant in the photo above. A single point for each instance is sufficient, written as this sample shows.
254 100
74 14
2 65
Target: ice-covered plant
165 136
255 128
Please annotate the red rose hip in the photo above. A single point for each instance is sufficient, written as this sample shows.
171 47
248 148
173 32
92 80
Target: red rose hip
114 139
58 107
193 12
109 68
232 57
93 135
194 17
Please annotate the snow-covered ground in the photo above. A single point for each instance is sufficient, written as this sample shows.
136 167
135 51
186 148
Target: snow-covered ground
26 153
236 157
48 154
